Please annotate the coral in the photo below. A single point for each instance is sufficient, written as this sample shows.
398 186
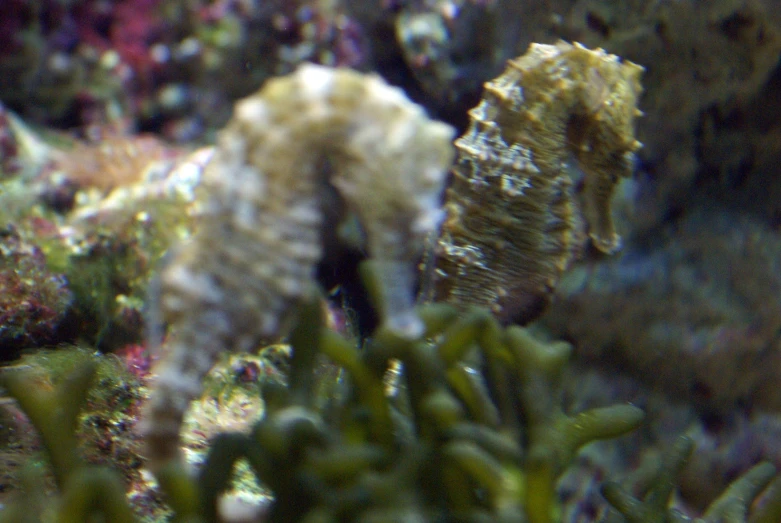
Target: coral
231 398
108 414
45 72
173 66
23 154
137 359
109 256
128 28
304 142
512 215
219 50
86 226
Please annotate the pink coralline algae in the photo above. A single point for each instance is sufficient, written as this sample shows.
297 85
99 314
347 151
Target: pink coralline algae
32 299
128 27
137 359
157 65
326 36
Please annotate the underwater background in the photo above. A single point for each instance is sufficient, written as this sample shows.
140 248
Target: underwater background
597 257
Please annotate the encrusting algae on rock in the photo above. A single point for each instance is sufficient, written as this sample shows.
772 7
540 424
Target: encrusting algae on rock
300 144
513 216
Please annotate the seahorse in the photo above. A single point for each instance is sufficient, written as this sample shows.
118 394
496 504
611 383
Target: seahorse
514 220
260 227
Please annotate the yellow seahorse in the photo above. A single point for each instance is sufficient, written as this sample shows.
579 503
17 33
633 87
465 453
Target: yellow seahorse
513 218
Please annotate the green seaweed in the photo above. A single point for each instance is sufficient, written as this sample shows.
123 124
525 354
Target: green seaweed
91 429
472 430
109 268
656 485
86 491
449 457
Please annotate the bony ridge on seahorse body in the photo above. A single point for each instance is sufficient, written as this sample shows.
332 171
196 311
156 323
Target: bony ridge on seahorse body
259 230
513 220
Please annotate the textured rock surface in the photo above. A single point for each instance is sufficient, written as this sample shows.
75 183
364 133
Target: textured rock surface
726 445
33 299
696 316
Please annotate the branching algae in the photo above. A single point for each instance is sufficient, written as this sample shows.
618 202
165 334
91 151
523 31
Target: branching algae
475 433
656 485
484 441
512 214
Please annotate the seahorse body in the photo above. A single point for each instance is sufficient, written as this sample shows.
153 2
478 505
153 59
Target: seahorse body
513 218
261 223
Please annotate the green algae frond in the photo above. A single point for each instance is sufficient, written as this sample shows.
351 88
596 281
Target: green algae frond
472 430
86 491
656 485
